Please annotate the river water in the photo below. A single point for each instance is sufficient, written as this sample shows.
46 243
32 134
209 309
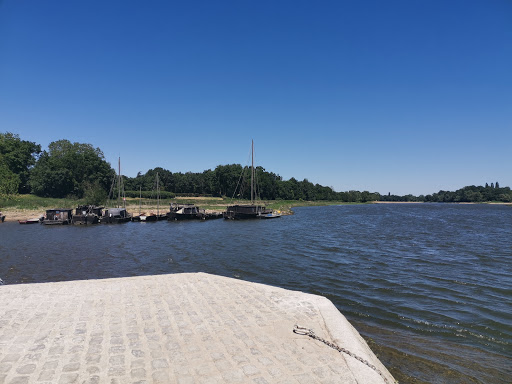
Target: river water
429 286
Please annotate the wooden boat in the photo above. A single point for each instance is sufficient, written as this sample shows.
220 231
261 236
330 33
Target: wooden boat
87 215
148 218
271 215
249 211
35 220
151 217
116 215
185 212
58 216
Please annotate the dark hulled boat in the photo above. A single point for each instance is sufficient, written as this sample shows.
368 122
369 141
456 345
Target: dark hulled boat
185 212
115 216
58 217
249 211
86 215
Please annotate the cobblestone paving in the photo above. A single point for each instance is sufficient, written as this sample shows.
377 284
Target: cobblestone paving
182 328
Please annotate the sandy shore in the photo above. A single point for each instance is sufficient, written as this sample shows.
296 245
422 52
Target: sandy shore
21 214
397 202
24 214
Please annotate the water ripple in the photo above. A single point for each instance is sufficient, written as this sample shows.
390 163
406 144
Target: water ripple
436 277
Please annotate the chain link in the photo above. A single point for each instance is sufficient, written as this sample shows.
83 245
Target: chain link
310 333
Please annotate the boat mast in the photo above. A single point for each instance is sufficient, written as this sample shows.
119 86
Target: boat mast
119 182
140 197
157 196
252 172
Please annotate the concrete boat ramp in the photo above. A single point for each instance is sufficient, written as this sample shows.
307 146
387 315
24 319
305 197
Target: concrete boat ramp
180 328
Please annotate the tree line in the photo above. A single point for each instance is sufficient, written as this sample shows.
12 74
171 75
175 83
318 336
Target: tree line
80 170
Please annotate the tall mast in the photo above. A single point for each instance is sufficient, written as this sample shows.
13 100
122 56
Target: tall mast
119 182
252 172
157 196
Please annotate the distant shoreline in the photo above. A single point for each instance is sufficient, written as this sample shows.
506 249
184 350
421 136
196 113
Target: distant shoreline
442 202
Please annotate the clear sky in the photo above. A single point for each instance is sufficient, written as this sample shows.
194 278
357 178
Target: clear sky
386 96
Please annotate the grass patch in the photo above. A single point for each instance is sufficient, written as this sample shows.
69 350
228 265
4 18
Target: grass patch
32 202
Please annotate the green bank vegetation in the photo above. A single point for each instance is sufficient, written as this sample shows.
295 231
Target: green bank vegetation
79 172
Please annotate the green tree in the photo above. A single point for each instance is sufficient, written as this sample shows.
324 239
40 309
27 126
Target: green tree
18 156
9 181
71 169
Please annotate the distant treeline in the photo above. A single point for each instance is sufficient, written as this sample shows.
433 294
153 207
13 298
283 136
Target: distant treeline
469 194
234 181
80 171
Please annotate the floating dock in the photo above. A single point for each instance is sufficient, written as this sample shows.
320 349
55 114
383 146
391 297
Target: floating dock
179 328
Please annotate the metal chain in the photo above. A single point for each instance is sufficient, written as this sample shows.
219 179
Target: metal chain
310 333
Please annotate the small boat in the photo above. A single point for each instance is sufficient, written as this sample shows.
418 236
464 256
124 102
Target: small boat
2 217
271 215
250 211
86 215
115 216
143 217
35 220
185 212
58 216
148 218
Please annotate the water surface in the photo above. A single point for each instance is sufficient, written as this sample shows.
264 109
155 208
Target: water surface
428 285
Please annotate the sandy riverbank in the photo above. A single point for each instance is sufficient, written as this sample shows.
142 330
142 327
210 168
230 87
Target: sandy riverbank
21 214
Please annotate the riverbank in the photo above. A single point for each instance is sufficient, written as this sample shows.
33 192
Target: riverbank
25 207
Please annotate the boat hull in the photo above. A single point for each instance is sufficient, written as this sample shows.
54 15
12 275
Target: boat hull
244 212
30 221
173 216
85 219
114 220
56 222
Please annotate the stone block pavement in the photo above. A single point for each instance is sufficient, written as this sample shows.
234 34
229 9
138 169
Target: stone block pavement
180 328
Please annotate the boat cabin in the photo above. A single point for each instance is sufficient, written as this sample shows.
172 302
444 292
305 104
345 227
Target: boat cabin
249 211
184 211
58 216
88 209
115 215
87 214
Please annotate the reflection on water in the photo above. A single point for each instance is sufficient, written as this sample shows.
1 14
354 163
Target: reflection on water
429 285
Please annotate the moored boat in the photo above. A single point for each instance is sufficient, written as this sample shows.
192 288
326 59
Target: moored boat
58 216
86 215
35 220
185 212
249 211
115 216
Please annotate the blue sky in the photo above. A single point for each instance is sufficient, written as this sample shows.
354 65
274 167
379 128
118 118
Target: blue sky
386 96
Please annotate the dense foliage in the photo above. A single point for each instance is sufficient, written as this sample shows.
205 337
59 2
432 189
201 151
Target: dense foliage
473 194
233 180
71 169
80 171
17 157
